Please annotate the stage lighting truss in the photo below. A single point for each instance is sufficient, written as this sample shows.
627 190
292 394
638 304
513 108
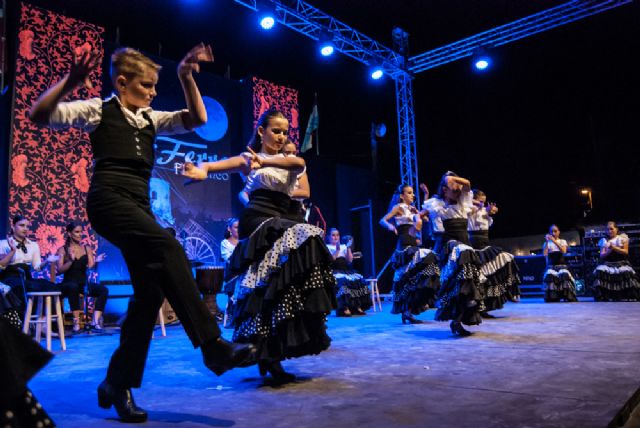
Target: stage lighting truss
310 21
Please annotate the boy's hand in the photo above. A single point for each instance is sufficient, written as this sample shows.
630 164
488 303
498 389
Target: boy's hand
191 61
82 66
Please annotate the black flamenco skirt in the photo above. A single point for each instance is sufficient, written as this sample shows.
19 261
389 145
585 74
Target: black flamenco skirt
616 281
352 291
461 294
559 284
20 359
283 289
502 279
416 280
10 306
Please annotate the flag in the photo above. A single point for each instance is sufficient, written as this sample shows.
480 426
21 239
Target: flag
312 126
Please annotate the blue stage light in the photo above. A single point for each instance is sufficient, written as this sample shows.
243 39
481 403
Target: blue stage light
267 22
376 73
326 50
482 63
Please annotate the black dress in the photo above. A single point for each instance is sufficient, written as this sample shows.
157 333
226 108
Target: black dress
283 283
558 281
77 274
417 275
352 291
615 278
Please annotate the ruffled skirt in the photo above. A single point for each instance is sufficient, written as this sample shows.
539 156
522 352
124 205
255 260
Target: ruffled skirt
283 290
352 291
559 284
461 293
416 280
501 272
616 281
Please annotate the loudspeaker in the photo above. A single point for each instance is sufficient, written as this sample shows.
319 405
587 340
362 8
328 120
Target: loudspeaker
531 268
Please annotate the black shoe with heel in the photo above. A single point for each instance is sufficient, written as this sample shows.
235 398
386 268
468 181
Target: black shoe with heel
458 330
122 400
408 317
277 372
220 355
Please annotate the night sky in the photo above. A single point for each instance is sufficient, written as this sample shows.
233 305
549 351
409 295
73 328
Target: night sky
558 111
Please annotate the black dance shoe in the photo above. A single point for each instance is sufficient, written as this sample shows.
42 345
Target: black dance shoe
407 317
122 400
277 372
359 311
458 330
343 312
487 315
220 355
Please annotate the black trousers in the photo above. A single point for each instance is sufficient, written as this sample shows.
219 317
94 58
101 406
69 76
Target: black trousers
119 210
97 291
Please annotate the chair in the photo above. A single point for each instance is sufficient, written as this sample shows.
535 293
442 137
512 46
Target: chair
43 302
375 293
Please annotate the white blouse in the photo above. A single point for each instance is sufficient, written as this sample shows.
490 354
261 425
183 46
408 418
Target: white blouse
553 248
342 250
31 257
405 216
479 220
618 241
87 114
226 249
431 205
272 178
461 209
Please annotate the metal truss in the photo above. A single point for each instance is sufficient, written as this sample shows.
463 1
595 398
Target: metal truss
516 30
311 22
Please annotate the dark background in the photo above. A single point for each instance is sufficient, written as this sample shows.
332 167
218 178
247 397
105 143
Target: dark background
558 111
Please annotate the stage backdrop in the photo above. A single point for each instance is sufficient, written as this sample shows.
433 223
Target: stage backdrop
49 170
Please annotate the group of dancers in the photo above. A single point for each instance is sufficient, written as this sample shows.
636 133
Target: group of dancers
284 278
462 275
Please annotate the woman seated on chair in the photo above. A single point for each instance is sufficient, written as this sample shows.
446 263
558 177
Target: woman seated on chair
18 255
74 260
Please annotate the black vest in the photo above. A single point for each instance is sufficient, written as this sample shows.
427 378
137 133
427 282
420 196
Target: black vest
115 139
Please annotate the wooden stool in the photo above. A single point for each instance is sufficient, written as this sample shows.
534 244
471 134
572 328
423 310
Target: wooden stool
43 298
375 293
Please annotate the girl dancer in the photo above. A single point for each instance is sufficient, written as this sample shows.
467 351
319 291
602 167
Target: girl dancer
74 260
122 131
461 294
284 287
558 281
615 278
416 277
498 266
352 293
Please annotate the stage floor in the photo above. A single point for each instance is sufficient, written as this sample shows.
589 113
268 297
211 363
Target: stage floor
538 365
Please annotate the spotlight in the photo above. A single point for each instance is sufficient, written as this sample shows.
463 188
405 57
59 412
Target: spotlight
481 59
325 43
267 15
375 71
267 21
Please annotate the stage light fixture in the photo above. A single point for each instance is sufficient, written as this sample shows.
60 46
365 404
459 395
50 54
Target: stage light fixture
267 15
376 71
481 59
325 43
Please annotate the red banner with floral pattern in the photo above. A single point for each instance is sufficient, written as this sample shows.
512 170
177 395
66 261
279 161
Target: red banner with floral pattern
50 169
267 95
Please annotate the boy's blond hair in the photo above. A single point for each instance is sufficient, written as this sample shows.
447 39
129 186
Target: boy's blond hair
130 62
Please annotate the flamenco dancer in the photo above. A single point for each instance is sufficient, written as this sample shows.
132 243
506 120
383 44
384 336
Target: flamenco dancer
284 287
122 130
558 281
461 293
352 293
498 266
416 277
615 278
